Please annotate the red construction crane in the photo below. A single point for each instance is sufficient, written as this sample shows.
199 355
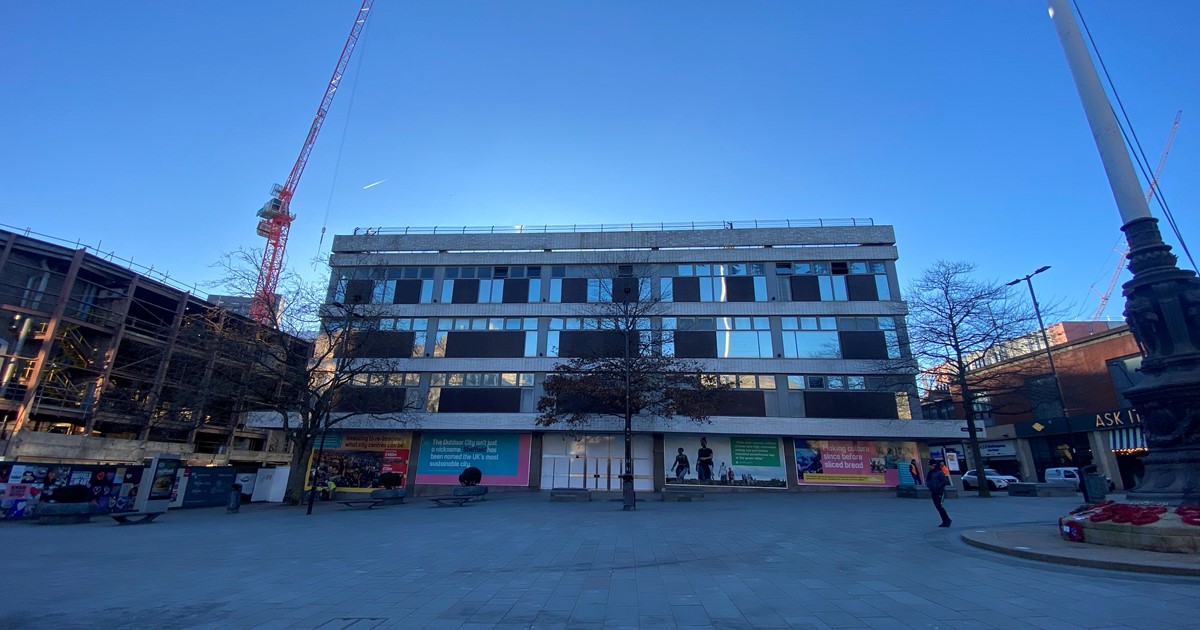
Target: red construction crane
276 214
1162 160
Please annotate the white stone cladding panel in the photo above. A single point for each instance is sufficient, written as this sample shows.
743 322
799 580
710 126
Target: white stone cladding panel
858 429
834 235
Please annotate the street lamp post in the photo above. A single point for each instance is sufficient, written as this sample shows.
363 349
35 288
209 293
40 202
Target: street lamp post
629 498
339 358
1062 400
1162 301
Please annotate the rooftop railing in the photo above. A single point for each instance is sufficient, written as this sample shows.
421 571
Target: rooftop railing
617 227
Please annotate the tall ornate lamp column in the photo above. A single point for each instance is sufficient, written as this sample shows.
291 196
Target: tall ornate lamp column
1162 302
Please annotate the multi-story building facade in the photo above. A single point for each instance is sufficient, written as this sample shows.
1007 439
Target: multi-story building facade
1022 418
804 319
99 363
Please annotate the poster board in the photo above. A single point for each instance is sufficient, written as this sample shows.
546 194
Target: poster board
503 457
737 460
354 460
158 485
207 486
855 462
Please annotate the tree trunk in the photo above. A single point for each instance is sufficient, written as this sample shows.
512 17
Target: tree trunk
973 438
298 472
627 493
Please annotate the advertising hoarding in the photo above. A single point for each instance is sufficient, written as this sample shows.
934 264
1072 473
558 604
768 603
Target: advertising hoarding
730 460
503 457
855 463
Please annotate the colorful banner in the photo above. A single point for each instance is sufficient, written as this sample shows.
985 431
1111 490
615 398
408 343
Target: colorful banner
23 485
727 460
855 463
353 461
503 457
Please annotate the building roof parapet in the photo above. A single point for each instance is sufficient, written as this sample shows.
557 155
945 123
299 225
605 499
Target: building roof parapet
109 257
617 227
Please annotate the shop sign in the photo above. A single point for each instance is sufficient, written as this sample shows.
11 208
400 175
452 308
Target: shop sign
997 449
1114 419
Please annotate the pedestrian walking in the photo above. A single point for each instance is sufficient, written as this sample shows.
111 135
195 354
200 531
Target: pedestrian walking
937 481
915 471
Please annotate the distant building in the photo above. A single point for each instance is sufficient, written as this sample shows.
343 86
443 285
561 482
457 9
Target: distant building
1025 432
240 304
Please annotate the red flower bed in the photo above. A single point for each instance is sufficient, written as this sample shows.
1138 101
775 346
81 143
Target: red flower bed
1189 514
1124 513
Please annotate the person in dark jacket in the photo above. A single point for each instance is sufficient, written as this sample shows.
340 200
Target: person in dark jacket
937 482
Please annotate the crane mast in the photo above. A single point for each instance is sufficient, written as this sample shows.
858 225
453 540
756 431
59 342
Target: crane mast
276 215
1162 160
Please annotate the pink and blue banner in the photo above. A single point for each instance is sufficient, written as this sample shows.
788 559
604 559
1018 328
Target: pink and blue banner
503 457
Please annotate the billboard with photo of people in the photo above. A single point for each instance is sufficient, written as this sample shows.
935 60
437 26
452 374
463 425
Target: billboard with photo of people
728 460
354 460
855 463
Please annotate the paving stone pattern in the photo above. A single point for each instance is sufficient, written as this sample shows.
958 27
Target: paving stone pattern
770 560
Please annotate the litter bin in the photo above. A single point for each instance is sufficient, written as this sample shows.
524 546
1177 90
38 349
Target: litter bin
1097 486
235 499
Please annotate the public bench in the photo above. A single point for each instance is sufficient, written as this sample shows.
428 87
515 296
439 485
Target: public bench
461 496
448 501
683 494
379 496
65 513
1029 489
137 518
921 492
570 494
367 503
472 493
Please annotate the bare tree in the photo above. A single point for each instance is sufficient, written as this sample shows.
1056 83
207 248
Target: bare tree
319 384
956 326
621 370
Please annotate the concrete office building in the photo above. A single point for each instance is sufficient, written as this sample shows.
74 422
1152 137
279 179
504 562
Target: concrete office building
802 317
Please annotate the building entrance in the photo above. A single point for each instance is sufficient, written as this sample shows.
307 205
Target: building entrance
595 462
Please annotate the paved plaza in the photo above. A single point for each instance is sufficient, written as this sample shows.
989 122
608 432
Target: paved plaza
764 560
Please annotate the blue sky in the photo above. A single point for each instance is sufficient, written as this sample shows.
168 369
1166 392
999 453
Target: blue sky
155 129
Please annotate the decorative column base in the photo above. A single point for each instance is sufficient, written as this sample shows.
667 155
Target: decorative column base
1172 477
1163 312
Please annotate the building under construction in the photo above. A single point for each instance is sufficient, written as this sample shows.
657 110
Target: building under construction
104 364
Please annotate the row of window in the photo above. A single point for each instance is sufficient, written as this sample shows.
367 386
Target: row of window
857 323
526 379
715 283
724 344
831 396
581 271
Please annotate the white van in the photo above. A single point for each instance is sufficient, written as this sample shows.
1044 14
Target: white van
1063 475
1071 476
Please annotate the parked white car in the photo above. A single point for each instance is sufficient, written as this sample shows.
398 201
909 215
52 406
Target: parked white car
995 481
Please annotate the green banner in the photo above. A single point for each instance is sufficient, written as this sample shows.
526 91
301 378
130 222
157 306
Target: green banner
754 451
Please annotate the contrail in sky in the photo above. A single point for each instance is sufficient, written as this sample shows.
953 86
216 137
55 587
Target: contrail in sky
374 184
